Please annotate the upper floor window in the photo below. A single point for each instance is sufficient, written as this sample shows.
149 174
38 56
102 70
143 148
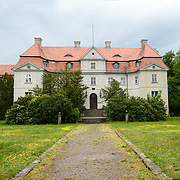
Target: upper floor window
46 64
136 80
68 55
69 65
116 55
110 79
93 65
28 78
154 93
154 77
93 80
138 63
123 80
116 65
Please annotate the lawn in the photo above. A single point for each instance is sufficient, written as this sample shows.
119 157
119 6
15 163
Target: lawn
21 144
160 141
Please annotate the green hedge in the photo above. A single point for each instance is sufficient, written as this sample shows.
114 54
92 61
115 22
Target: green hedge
42 109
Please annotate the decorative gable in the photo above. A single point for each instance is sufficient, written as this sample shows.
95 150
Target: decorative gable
154 66
93 54
27 66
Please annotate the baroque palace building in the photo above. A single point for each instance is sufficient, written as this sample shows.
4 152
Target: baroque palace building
140 70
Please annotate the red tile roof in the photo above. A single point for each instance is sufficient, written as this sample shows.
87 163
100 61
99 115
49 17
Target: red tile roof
6 68
57 57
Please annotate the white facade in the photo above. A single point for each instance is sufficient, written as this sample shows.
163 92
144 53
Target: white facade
140 74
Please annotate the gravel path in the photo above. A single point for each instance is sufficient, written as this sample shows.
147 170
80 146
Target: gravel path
95 152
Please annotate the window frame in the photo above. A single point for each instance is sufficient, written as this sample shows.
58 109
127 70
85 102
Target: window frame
116 65
93 80
154 93
93 65
69 63
110 79
136 79
123 80
28 78
154 78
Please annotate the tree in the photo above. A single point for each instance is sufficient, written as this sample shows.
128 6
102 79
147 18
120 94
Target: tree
174 86
67 81
116 99
168 60
6 93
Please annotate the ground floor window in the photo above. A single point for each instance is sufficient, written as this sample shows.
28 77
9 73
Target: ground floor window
26 93
154 93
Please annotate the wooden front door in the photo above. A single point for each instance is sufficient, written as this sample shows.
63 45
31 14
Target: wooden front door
93 101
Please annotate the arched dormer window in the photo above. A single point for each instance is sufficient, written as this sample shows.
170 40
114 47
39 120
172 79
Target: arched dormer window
68 55
116 65
116 55
138 63
69 65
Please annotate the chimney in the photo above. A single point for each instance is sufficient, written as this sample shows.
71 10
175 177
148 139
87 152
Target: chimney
108 44
77 44
39 41
143 42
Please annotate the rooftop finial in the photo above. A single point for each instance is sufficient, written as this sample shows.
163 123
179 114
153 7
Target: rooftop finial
92 35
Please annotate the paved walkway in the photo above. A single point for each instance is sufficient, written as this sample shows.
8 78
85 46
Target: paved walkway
95 152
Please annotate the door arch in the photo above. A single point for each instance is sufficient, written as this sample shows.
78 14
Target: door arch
93 101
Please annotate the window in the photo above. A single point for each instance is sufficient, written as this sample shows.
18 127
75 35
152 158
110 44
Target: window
153 67
154 77
93 80
26 93
46 64
110 79
28 78
116 65
93 53
69 65
28 67
136 80
138 63
93 65
68 55
123 80
116 55
154 93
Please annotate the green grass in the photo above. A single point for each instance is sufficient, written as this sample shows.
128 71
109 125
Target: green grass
160 141
21 144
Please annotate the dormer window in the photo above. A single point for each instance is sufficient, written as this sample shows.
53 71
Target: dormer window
46 64
116 65
69 65
138 63
68 55
116 55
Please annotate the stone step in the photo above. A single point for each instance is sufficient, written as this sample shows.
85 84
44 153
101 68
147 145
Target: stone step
93 113
92 120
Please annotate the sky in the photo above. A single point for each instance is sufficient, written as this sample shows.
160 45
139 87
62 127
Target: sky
61 22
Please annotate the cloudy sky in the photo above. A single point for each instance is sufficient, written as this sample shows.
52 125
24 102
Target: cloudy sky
61 22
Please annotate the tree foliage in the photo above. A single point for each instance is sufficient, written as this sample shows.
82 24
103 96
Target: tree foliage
68 82
139 109
42 109
6 93
173 62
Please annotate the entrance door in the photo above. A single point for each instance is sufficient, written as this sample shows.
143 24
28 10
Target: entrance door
93 101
